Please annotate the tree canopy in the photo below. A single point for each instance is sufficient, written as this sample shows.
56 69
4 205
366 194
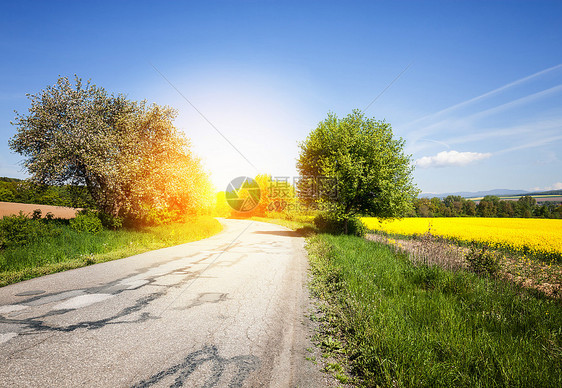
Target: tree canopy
355 166
489 206
128 154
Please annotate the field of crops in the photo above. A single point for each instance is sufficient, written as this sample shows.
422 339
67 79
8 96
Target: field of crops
539 237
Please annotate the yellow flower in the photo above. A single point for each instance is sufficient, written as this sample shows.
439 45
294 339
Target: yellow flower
525 235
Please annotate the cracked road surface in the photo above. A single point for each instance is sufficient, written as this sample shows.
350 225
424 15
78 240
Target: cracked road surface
227 311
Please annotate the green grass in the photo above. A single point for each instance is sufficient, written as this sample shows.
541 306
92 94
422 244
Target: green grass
290 224
416 326
67 248
303 224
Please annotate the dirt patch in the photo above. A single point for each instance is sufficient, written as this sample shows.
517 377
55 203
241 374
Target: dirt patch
11 208
429 250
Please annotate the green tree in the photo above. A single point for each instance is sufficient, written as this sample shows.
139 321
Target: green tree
506 209
130 157
488 206
435 207
469 208
557 213
545 209
422 206
455 204
526 206
357 167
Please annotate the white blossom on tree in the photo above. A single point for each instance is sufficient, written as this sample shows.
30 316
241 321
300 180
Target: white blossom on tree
128 154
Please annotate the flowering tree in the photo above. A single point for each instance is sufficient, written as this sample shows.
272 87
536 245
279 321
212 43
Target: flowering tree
131 158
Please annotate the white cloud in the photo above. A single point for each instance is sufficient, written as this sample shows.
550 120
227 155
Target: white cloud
556 186
451 158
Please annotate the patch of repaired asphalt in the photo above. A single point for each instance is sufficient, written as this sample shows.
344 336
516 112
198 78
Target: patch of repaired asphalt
53 298
9 308
82 301
7 336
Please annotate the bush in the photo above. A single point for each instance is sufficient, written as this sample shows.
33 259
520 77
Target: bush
111 222
334 223
86 221
14 230
483 261
6 195
155 217
19 230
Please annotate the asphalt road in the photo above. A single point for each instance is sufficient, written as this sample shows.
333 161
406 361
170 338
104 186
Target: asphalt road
227 311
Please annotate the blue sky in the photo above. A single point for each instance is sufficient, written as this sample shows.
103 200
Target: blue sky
480 105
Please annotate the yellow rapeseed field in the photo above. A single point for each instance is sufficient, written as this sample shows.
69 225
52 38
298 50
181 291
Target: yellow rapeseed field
538 237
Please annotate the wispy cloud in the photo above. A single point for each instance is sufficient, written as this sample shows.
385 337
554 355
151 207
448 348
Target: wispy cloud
437 142
543 126
556 186
469 121
451 158
547 128
547 157
536 143
466 122
515 103
485 95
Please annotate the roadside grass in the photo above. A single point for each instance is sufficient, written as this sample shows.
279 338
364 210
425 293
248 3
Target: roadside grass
66 248
279 221
405 324
526 271
303 224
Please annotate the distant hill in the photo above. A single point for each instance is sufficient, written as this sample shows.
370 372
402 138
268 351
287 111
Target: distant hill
548 192
6 179
473 194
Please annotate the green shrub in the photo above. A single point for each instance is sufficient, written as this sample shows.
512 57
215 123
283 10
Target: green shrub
6 195
86 221
19 230
111 222
483 261
334 223
154 217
